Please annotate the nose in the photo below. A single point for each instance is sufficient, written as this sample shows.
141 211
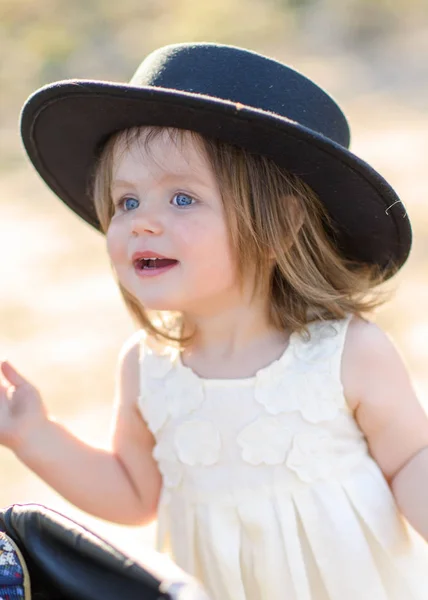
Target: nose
146 220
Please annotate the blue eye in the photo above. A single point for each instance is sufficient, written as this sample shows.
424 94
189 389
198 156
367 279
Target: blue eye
130 204
182 199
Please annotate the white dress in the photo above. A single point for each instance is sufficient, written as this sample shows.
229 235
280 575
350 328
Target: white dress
269 492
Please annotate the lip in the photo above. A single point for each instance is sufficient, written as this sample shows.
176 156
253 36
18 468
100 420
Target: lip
138 256
148 254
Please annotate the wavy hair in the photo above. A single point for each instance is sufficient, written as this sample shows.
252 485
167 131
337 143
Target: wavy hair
269 212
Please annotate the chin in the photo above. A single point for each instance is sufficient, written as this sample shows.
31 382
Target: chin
156 303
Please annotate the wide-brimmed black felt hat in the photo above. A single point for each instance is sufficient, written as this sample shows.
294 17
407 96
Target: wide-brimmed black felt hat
234 95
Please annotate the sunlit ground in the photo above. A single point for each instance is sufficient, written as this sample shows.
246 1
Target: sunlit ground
62 320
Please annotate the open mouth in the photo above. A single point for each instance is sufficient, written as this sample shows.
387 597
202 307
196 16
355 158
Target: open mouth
153 265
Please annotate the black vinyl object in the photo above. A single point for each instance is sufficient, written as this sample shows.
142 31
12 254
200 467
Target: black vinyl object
67 561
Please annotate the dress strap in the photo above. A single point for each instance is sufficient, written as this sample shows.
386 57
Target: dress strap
341 327
329 339
320 356
156 366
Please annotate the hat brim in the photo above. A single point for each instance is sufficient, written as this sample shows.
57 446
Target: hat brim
63 126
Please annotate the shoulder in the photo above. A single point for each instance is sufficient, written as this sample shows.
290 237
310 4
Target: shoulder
131 348
135 348
129 365
369 356
379 389
364 335
138 350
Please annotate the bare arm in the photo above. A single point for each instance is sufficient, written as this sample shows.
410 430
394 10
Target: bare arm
410 487
387 409
121 484
132 441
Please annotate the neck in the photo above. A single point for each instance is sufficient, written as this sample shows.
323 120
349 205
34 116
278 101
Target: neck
240 334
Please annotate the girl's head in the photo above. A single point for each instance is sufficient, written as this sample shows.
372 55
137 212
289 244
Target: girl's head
242 230
235 165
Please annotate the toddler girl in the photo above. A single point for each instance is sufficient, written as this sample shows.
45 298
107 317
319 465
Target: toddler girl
270 428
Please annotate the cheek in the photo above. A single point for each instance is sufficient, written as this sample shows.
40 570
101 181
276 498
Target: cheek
116 249
206 246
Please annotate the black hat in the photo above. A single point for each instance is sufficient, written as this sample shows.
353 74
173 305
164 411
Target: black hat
236 96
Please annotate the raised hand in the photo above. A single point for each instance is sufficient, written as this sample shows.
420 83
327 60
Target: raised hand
21 408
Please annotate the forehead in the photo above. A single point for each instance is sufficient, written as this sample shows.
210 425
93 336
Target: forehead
164 153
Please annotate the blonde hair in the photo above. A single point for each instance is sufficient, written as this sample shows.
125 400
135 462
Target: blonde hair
269 212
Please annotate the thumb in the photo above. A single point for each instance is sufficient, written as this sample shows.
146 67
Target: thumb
12 375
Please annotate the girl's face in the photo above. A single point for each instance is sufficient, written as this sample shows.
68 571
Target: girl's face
167 202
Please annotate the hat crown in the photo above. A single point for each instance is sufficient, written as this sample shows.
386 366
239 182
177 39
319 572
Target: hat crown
245 77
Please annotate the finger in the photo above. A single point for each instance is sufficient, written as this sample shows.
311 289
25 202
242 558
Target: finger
3 381
12 375
4 388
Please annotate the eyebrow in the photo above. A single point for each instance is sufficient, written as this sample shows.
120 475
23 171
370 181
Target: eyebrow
116 183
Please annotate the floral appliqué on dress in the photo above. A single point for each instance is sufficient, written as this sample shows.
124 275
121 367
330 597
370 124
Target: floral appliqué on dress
303 383
288 386
171 393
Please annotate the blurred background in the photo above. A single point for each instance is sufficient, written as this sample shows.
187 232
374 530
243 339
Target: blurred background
62 321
